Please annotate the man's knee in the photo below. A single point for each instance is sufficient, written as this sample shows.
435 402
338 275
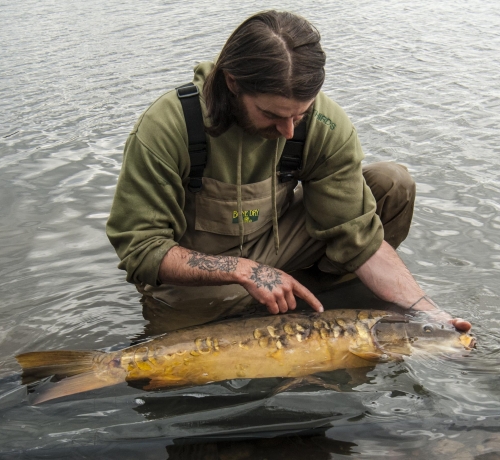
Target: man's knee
385 178
394 190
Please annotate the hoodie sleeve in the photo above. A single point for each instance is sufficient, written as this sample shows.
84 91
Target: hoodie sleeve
146 217
340 206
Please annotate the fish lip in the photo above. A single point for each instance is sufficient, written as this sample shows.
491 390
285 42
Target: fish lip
472 343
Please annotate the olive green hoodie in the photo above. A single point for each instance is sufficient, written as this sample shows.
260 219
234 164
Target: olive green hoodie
147 217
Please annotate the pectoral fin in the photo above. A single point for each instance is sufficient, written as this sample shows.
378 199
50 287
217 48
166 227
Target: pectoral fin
369 354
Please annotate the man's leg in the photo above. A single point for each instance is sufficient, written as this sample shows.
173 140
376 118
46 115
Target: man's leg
394 190
169 308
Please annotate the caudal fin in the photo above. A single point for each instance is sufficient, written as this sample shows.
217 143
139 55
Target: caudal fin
83 370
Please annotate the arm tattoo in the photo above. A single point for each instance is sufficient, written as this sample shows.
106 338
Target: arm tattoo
212 263
266 277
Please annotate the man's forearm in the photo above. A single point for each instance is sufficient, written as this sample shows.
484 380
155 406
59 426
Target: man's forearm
184 267
387 276
272 287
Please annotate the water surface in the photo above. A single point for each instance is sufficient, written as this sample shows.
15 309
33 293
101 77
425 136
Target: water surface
420 82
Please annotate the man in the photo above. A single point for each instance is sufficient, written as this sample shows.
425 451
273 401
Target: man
206 247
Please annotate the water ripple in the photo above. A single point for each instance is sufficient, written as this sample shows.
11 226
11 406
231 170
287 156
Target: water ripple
420 82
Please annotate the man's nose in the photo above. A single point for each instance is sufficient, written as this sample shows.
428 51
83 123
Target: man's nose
285 127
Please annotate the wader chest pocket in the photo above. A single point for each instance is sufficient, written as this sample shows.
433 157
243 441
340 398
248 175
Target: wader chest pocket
217 206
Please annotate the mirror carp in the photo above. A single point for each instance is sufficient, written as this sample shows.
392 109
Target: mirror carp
289 345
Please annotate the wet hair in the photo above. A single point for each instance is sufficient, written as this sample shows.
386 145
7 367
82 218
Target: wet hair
272 52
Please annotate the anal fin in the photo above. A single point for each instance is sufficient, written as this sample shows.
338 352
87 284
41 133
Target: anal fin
368 354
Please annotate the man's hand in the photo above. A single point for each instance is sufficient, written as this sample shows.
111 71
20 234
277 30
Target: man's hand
439 315
387 277
269 286
274 288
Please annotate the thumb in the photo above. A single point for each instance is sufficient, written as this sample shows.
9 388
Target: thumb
461 325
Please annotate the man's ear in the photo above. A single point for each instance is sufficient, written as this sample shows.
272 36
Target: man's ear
231 83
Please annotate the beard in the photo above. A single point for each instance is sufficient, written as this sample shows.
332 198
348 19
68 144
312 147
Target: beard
240 114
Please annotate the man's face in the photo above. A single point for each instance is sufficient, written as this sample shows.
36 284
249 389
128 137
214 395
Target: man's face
270 116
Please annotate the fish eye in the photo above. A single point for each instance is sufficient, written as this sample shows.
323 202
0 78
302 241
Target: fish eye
427 328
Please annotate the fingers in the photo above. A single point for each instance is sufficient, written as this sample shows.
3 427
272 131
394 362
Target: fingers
305 294
272 307
440 315
461 324
290 300
276 289
282 303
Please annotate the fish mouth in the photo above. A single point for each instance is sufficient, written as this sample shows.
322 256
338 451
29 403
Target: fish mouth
468 341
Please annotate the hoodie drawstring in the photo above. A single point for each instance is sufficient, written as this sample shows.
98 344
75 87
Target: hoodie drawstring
273 197
273 200
240 206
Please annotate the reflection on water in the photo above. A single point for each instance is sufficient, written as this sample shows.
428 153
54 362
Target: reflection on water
420 83
294 447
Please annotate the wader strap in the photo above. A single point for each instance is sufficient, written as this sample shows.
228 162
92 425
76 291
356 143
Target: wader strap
188 94
291 158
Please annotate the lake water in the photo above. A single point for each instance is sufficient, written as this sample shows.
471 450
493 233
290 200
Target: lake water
420 80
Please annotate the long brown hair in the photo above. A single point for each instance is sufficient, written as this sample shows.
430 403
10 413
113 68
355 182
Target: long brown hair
271 52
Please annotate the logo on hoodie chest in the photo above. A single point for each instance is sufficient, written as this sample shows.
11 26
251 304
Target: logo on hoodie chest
324 119
251 215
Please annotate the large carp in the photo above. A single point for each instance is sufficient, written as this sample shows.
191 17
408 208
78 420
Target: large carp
290 345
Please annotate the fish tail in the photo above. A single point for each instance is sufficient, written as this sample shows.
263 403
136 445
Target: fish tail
83 369
40 364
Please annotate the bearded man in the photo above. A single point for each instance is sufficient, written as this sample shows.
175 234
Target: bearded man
211 214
